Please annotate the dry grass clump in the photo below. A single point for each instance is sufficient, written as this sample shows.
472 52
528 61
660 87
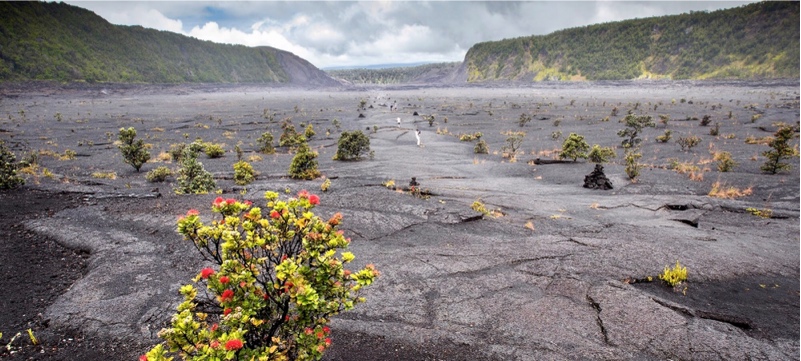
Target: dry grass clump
104 175
722 190
754 140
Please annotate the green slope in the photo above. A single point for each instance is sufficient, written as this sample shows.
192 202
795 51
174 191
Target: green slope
401 75
56 41
755 41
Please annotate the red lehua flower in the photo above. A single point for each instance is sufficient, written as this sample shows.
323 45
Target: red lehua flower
266 296
233 345
308 331
206 272
326 329
320 334
275 215
346 273
224 279
320 348
218 201
248 203
143 358
227 295
214 327
286 318
303 194
283 258
214 344
242 284
314 199
226 311
230 201
192 212
328 341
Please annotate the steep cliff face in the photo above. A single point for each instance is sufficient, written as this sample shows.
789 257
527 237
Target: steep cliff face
56 41
301 72
756 41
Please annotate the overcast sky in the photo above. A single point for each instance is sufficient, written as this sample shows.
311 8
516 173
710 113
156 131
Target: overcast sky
346 33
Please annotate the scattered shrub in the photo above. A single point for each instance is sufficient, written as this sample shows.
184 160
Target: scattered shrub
714 131
524 118
104 175
158 174
513 142
352 145
290 137
632 157
481 147
479 206
470 137
674 276
574 147
664 138
326 185
600 154
192 177
265 143
279 277
133 150
9 178
725 162
309 132
556 135
304 163
634 125
244 173
781 150
176 151
213 150
705 120
688 142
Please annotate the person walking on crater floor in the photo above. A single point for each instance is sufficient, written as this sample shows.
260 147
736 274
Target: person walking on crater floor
398 122
417 134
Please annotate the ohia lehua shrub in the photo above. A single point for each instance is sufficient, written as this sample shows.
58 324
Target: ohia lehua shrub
280 277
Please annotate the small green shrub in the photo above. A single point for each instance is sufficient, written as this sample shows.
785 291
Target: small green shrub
600 154
688 142
326 185
9 178
214 150
290 137
574 147
176 151
513 142
243 173
674 276
633 167
304 163
479 206
664 138
781 150
265 143
192 177
352 146
481 147
725 162
133 150
761 213
158 174
524 119
309 132
714 131
634 125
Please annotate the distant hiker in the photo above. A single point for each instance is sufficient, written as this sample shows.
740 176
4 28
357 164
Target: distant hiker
417 134
398 122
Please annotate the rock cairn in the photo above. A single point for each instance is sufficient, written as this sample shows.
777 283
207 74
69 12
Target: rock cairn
597 179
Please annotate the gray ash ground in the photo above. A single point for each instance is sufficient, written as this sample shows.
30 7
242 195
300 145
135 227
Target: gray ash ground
92 265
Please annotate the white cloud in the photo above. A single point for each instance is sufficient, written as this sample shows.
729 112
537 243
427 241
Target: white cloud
369 32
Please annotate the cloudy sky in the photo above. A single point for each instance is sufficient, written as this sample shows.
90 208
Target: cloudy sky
347 33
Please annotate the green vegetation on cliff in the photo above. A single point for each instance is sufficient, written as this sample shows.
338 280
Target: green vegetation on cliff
755 41
401 75
56 41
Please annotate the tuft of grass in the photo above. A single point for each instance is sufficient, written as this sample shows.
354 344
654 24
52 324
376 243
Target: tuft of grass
104 175
761 213
724 191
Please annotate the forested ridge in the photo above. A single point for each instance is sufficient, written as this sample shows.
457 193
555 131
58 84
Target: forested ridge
57 41
755 41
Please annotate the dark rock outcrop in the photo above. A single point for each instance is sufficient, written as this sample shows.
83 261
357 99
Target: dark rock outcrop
597 179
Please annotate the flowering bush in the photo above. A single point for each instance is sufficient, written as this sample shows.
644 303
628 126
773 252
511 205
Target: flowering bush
280 278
